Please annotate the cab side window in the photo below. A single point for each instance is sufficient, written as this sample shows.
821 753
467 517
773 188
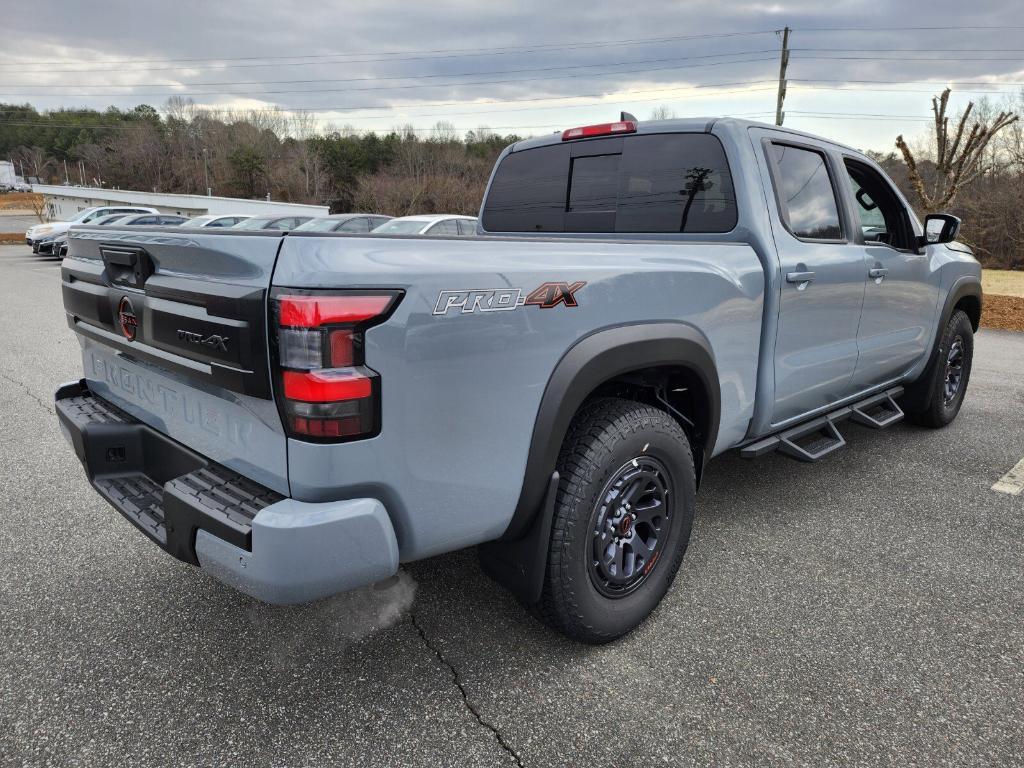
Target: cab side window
446 227
354 225
807 199
882 216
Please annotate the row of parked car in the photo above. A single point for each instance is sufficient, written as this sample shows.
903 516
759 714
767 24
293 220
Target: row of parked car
52 239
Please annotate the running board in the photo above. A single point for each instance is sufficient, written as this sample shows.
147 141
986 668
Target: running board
815 439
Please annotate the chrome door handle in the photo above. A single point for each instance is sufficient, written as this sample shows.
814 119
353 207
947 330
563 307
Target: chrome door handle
878 274
802 279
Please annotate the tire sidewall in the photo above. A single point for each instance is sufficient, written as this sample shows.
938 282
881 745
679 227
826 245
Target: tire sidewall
958 325
613 616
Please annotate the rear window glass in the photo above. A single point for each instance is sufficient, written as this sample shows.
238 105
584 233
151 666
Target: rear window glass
657 183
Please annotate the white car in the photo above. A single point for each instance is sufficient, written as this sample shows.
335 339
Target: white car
50 230
214 220
435 224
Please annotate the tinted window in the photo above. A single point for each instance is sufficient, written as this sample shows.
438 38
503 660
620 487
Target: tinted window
657 183
143 220
805 193
446 227
467 226
354 225
528 193
675 183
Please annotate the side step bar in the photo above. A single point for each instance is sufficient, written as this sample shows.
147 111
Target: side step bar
815 439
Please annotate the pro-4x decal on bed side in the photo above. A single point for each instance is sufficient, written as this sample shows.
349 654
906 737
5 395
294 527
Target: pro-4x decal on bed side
545 296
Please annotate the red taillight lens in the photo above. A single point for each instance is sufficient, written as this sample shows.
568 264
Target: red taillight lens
327 392
315 311
326 386
602 129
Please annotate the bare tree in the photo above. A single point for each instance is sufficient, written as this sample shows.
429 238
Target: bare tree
958 160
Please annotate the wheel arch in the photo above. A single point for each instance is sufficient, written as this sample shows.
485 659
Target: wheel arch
613 357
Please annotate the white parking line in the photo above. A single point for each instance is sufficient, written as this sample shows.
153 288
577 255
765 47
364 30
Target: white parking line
1013 481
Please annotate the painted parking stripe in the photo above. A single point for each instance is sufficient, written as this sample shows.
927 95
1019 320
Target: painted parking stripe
1013 481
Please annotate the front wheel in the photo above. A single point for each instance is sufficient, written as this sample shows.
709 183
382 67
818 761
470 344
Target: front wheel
935 401
622 520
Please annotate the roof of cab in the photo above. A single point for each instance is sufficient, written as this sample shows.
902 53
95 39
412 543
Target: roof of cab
678 125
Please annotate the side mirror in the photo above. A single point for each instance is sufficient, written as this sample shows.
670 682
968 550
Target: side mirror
940 228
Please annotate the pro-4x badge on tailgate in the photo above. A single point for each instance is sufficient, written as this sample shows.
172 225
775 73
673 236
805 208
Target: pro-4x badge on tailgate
545 296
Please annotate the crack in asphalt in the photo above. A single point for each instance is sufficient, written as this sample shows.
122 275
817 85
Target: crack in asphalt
45 406
470 706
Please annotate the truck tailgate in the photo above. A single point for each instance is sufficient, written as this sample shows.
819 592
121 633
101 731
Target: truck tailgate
173 330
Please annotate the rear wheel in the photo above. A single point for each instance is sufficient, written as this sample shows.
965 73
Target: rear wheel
622 521
935 401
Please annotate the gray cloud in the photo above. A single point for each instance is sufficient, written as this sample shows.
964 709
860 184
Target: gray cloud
358 71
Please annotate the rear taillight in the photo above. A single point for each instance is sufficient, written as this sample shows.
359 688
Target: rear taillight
326 391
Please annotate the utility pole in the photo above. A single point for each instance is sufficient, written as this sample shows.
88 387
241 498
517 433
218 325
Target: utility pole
206 175
783 63
67 180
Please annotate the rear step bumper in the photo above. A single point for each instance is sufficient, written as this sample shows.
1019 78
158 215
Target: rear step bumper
271 547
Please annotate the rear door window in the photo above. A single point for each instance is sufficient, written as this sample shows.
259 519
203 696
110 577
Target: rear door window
673 182
807 199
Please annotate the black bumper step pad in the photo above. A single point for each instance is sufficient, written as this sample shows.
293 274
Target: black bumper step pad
165 489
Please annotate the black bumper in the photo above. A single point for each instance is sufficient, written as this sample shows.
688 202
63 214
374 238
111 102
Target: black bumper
159 485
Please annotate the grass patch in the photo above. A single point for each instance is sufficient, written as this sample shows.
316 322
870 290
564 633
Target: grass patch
1003 282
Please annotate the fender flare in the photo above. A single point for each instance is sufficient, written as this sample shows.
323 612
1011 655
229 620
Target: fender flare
963 286
593 360
518 559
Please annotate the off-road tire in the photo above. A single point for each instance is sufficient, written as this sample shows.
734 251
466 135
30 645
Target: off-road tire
927 402
603 440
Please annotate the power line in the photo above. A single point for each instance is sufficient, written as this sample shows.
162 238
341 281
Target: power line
507 48
397 87
957 28
392 116
403 129
908 58
403 77
669 94
341 57
909 82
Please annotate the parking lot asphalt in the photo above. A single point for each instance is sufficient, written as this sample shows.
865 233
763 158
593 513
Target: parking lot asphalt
867 610
17 222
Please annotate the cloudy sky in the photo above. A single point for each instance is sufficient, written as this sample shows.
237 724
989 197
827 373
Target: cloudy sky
860 71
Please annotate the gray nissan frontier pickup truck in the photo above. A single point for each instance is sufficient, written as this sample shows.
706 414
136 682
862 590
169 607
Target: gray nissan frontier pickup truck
300 413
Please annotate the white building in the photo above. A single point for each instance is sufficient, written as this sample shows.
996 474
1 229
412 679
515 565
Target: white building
64 202
7 174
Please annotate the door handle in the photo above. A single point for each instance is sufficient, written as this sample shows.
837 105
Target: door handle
878 274
802 279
